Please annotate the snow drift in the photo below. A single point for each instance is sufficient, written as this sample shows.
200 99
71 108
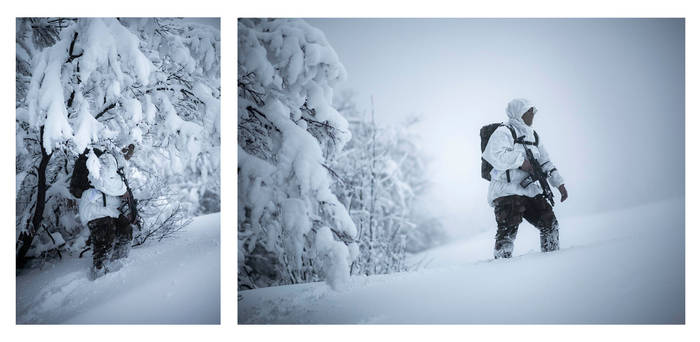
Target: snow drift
617 267
172 282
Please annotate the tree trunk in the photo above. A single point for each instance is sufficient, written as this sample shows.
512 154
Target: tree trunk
27 237
371 260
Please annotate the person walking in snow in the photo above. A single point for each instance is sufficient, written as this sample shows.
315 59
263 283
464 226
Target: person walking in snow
100 209
510 193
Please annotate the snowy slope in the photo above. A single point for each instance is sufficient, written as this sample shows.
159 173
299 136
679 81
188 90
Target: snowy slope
174 281
617 267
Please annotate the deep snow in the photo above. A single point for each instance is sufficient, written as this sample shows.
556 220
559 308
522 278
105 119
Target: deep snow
625 266
176 281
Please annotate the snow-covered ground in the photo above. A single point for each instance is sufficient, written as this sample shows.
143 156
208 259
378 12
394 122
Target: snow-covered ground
176 281
625 266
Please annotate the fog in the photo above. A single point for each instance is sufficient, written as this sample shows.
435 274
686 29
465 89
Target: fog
609 93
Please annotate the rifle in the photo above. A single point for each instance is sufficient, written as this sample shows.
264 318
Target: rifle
132 201
538 175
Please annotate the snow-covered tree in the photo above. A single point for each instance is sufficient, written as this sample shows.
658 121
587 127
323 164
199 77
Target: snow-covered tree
381 174
291 227
187 90
151 85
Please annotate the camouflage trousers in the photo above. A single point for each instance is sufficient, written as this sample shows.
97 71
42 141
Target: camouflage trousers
103 233
510 211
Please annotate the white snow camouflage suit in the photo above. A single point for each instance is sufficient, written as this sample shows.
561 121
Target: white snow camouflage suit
510 200
99 210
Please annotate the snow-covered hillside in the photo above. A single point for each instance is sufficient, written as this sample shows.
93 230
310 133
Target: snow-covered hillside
175 281
616 267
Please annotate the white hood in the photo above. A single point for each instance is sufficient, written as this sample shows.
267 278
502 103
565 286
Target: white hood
515 110
105 178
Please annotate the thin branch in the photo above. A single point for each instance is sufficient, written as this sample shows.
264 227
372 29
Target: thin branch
70 99
333 173
70 50
105 110
253 110
84 250
256 95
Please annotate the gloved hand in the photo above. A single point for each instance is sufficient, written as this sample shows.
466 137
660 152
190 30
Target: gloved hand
563 192
526 166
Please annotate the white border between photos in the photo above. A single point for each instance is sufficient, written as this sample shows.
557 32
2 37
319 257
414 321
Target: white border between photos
229 11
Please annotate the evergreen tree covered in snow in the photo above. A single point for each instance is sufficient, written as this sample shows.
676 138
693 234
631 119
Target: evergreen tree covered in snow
291 227
109 84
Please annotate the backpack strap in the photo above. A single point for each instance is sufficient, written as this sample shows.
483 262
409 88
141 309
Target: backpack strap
515 139
512 131
104 199
521 140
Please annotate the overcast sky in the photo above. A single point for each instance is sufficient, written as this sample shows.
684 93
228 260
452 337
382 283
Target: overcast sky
610 95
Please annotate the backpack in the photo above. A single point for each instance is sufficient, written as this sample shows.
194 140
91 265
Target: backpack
79 181
486 133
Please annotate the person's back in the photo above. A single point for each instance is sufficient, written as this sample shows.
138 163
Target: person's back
512 191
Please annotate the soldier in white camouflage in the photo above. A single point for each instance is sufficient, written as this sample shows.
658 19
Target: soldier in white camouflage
511 192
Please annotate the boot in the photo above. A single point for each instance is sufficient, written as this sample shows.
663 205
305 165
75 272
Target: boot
96 272
504 251
549 239
504 242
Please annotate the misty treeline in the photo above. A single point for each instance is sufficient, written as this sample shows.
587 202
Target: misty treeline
106 84
323 191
